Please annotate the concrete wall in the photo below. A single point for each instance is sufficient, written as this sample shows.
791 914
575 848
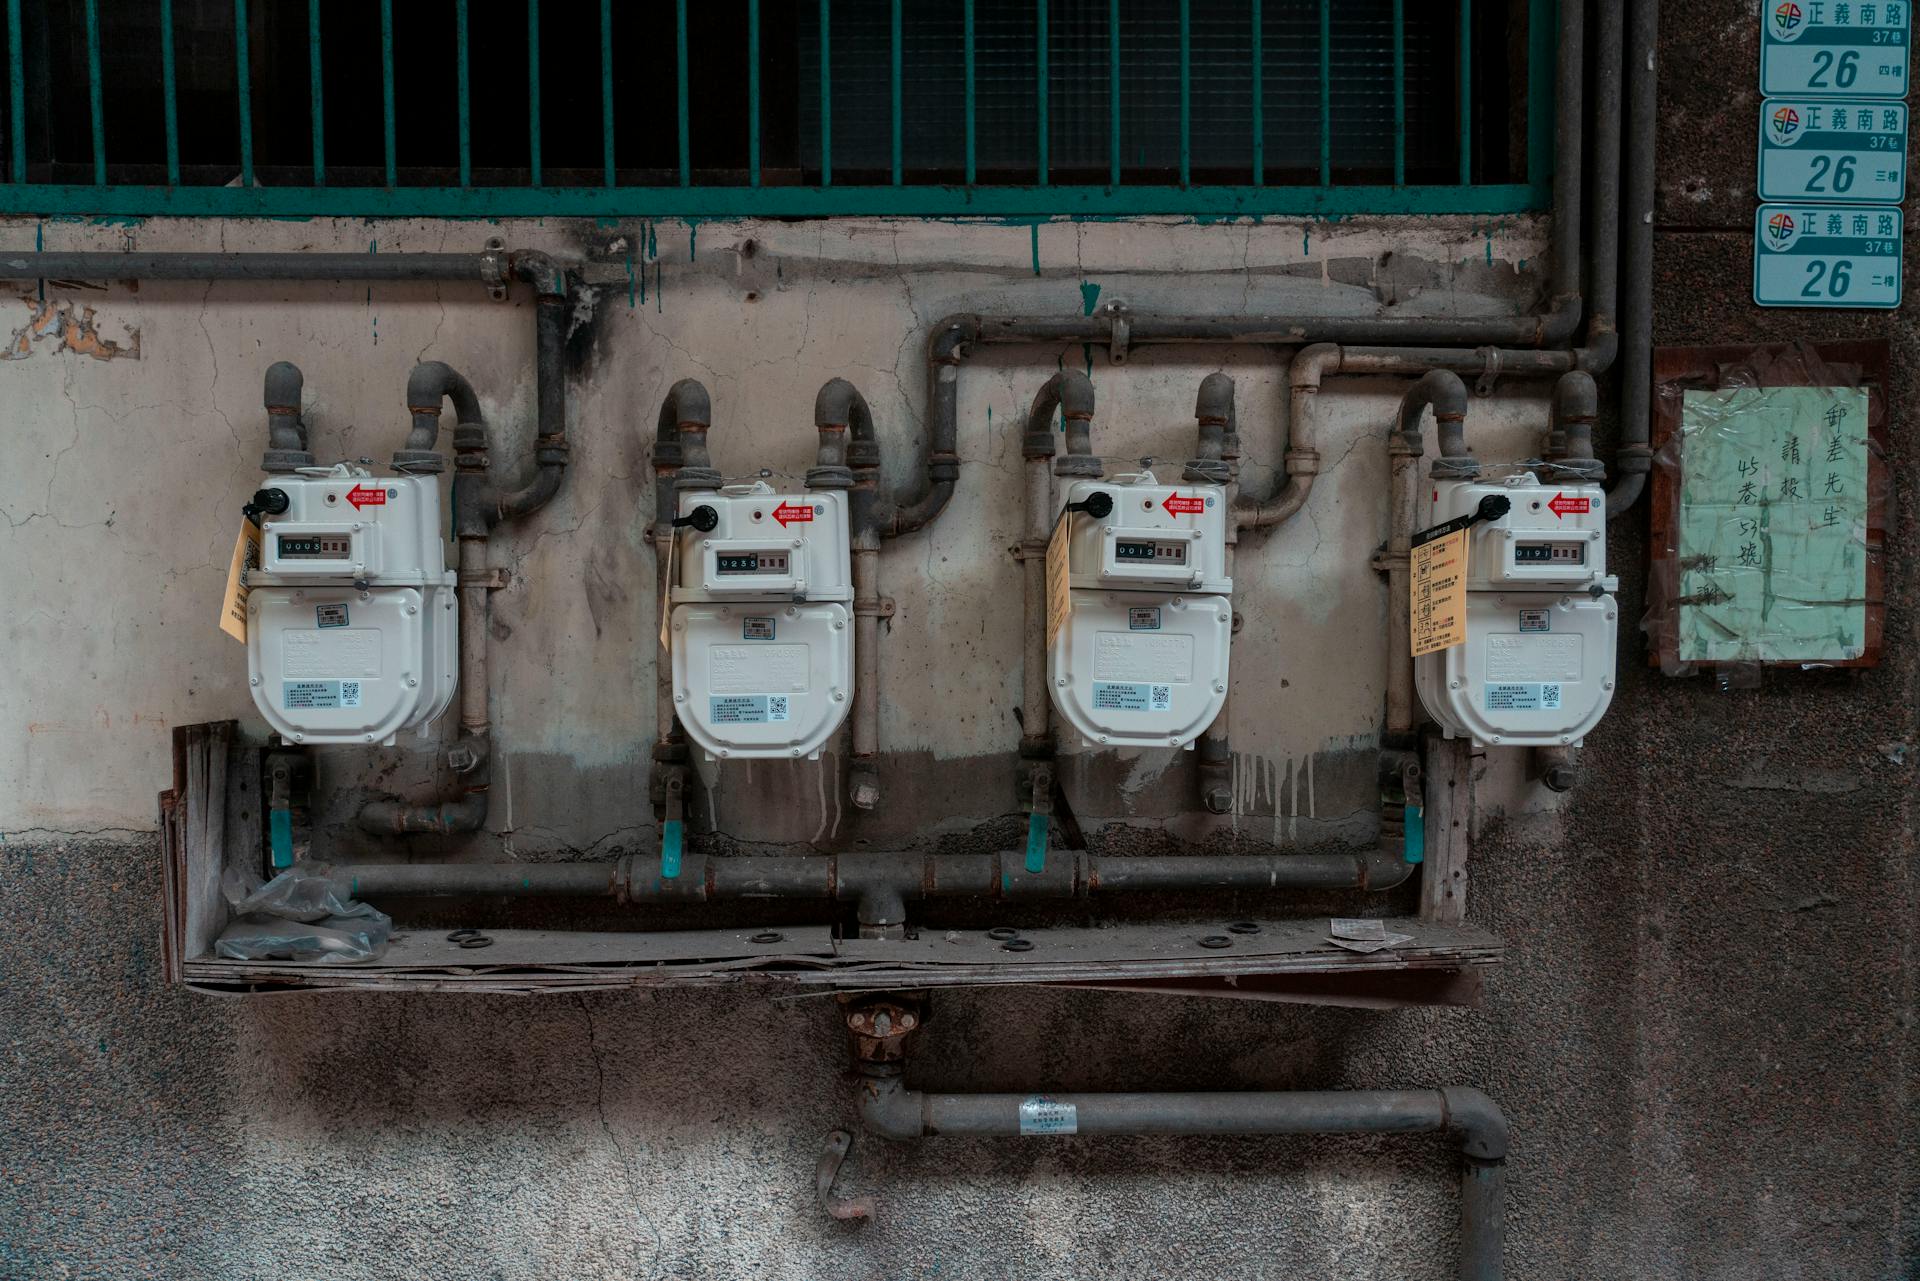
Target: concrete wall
1703 1033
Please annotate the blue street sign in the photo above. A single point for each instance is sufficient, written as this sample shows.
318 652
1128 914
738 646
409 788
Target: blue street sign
1829 48
1833 150
1808 255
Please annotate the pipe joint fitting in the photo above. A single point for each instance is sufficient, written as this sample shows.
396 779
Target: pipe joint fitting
1207 471
1080 466
1478 1122
1302 462
1039 444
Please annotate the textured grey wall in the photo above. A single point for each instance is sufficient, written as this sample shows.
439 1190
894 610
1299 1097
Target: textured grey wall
1703 1034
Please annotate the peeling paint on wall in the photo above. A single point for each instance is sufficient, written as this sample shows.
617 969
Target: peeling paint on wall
68 327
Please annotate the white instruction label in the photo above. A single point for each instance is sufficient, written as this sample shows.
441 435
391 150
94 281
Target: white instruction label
747 709
1528 696
304 696
1042 1115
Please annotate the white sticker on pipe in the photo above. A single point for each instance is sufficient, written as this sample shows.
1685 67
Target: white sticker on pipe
1042 1115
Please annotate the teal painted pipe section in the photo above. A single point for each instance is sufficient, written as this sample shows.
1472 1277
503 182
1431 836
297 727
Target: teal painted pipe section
1399 93
464 89
1326 93
387 105
967 41
1040 88
1414 845
17 81
243 78
533 89
1541 97
1037 825
1260 98
826 95
896 91
1023 204
753 92
684 90
280 837
319 98
1113 93
95 107
670 845
1186 94
606 88
1466 92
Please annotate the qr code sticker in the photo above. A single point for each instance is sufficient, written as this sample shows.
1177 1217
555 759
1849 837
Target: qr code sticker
1549 696
349 693
776 707
1162 698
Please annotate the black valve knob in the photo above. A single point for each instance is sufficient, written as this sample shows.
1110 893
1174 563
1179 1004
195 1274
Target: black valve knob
703 518
265 502
1098 504
1493 507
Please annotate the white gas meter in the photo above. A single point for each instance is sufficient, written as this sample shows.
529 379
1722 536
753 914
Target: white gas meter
761 621
351 626
1138 617
1537 667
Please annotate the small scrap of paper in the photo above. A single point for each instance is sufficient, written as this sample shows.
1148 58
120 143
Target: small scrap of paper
1358 935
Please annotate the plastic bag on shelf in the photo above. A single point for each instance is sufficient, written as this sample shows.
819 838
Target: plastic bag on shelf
301 915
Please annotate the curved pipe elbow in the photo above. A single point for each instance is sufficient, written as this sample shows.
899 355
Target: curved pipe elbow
1443 392
433 380
1478 1122
1071 393
1576 402
286 430
548 278
690 410
1214 415
537 494
1384 871
892 1111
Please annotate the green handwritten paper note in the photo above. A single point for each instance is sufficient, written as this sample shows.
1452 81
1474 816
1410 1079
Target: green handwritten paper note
1773 524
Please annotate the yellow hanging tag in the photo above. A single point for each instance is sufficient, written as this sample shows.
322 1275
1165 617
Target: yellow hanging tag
1059 593
246 559
666 593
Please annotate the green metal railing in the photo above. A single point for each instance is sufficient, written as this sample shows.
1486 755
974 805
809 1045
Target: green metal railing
700 193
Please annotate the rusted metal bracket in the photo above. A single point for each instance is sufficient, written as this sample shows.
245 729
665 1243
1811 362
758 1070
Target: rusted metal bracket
1489 372
492 579
1385 562
832 1156
1120 320
494 268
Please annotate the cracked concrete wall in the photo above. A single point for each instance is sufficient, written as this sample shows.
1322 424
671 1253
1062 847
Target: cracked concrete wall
131 474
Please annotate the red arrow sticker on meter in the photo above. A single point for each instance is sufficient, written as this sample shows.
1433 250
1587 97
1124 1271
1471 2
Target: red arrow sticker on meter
360 496
1561 505
1179 506
788 512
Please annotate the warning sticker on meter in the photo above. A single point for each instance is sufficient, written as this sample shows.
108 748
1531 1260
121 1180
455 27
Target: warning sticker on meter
1128 696
1536 620
1527 696
1143 618
1438 581
756 629
747 709
334 615
307 696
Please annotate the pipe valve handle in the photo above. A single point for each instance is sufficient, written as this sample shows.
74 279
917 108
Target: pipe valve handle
1097 505
703 518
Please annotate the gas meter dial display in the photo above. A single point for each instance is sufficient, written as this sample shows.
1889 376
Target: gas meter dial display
1141 657
352 634
1537 667
761 628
